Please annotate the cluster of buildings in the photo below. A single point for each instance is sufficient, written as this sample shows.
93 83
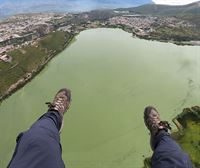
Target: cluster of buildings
174 22
26 29
145 25
3 56
141 25
19 25
22 30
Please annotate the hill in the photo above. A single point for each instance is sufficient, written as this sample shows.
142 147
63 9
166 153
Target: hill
190 12
167 10
13 7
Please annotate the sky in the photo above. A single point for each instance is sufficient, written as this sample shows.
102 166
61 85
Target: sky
168 2
10 7
76 5
174 2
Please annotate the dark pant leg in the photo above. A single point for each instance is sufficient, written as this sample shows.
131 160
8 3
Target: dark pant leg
167 153
39 147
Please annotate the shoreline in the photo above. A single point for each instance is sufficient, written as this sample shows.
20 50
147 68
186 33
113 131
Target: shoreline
29 76
150 38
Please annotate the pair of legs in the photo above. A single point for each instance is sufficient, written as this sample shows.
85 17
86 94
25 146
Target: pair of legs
40 147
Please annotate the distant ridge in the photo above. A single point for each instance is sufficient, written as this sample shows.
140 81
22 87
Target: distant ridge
190 12
11 7
153 9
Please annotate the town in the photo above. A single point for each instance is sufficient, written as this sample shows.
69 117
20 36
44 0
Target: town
26 29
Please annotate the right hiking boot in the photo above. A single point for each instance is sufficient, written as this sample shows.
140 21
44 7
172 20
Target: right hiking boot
153 122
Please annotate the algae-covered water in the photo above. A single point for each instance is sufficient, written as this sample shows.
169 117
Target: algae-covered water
113 76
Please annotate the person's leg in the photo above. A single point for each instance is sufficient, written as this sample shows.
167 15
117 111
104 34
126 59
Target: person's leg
40 147
167 153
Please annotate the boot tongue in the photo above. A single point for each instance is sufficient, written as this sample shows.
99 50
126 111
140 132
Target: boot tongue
165 125
50 105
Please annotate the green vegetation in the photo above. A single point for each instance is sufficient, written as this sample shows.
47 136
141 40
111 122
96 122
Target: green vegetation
190 141
167 10
54 41
21 64
147 163
176 34
190 13
188 136
30 59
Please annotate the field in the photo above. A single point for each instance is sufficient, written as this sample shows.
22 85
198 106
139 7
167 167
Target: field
30 59
189 138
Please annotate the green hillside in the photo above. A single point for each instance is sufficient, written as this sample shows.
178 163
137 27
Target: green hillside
190 12
153 9
30 59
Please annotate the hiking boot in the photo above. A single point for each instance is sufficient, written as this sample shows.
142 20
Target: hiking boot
61 103
153 122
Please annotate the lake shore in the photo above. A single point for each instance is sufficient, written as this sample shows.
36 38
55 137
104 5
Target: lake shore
30 75
156 38
27 77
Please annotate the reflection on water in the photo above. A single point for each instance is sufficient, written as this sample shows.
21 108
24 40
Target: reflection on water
112 77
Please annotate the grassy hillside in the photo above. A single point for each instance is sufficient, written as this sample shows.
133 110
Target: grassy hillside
30 59
189 139
190 12
167 10
175 34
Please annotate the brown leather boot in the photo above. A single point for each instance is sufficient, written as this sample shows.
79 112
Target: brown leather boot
153 122
61 102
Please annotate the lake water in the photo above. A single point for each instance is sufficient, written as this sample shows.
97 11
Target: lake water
113 76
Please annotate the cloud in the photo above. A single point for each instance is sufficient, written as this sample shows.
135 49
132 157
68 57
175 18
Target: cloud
174 2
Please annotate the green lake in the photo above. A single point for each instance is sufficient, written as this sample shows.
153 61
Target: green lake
113 76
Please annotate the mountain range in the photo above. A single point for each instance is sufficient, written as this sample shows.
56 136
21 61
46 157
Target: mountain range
190 12
146 7
167 10
10 7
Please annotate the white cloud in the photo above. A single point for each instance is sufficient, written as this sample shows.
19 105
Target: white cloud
174 2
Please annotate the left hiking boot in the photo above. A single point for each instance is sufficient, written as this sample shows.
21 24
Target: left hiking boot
153 122
60 103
